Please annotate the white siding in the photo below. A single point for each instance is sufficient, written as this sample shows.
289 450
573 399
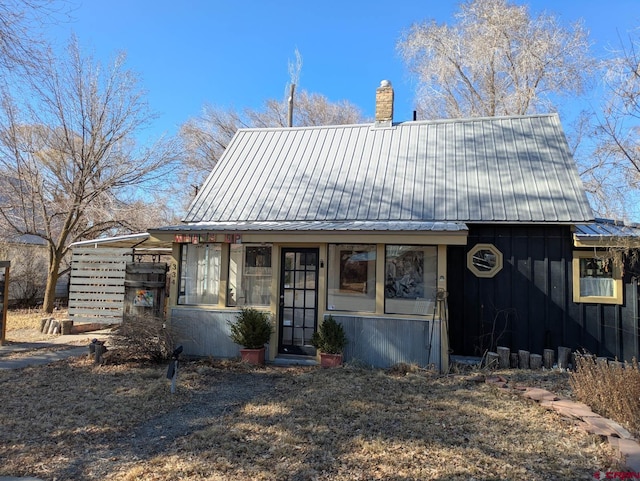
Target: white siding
96 293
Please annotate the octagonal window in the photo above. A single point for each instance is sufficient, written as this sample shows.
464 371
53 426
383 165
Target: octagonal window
484 260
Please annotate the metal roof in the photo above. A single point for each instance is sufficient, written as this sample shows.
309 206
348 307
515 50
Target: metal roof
28 239
360 226
606 228
140 242
498 169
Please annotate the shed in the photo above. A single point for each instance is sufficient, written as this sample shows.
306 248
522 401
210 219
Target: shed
112 277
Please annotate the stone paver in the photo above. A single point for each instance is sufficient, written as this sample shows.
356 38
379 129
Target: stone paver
538 394
569 408
618 437
631 452
608 424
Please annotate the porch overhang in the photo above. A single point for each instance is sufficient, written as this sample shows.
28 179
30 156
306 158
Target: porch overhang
604 233
453 233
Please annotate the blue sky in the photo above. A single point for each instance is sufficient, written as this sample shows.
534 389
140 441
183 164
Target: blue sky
235 53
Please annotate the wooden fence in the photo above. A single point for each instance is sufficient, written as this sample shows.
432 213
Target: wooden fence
97 288
145 289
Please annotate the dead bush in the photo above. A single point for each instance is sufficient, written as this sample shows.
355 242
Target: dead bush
142 337
403 368
28 277
611 389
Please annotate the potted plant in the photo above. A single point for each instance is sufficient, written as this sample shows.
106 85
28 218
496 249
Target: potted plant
252 329
330 340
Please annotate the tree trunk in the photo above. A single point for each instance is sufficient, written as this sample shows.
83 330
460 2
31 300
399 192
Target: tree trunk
535 361
548 356
492 360
523 358
514 360
52 280
563 357
505 354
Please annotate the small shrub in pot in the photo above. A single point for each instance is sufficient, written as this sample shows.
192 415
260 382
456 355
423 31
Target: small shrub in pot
330 339
252 329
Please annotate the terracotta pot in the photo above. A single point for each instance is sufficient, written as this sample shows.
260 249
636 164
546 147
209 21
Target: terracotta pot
330 360
253 356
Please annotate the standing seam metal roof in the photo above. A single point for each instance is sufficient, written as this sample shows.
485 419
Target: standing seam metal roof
498 169
606 228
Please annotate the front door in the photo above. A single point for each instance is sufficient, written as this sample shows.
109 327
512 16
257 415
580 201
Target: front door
298 313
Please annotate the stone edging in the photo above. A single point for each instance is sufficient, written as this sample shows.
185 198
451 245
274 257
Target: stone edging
619 438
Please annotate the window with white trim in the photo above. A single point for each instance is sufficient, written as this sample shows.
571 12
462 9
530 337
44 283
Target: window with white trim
411 274
352 277
249 275
199 273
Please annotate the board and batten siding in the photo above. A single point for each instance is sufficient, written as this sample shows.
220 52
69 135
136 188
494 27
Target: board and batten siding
529 303
383 342
203 332
97 288
373 341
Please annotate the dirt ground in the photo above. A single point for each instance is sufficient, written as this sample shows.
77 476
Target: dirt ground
227 421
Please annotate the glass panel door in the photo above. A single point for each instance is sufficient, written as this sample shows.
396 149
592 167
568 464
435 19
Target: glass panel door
298 311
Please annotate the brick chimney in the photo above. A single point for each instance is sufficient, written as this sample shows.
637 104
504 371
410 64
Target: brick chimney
384 104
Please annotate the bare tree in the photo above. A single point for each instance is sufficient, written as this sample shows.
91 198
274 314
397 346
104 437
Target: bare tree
205 138
21 22
496 60
614 176
69 156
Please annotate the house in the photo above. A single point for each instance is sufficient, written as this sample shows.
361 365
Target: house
28 255
423 238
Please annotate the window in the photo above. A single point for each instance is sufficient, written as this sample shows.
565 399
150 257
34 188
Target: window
410 279
596 279
484 260
352 278
199 273
249 275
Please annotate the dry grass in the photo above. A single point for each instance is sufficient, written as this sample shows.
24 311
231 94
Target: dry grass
23 325
611 389
75 420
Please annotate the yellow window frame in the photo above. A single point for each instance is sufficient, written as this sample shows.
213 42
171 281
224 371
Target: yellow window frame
617 277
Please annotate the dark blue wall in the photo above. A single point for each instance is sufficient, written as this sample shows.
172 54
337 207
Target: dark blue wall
529 303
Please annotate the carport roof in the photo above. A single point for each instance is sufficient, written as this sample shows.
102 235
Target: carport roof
141 243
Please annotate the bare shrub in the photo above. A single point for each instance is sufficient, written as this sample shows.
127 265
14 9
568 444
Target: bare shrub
612 389
143 337
403 368
28 280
